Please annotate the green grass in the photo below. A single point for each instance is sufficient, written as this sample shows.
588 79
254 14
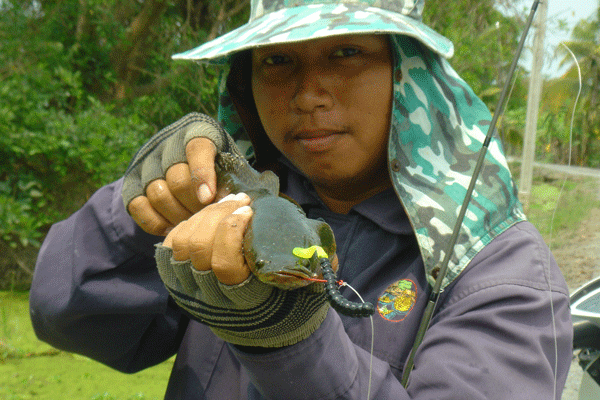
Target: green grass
557 214
30 369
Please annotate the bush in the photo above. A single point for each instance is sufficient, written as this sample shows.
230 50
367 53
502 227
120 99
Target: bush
53 158
64 128
56 148
56 142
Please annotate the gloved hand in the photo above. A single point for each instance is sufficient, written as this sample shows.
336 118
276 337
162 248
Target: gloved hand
173 176
202 266
241 311
249 314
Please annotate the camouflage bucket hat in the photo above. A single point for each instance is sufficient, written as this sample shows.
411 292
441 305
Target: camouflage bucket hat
287 21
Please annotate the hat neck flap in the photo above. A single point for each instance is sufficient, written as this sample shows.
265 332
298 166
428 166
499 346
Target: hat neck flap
437 130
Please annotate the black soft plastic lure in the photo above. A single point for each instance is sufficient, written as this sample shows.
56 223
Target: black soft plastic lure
337 301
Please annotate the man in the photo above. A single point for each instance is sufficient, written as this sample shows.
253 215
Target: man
368 127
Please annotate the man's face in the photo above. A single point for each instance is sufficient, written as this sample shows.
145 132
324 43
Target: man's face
326 104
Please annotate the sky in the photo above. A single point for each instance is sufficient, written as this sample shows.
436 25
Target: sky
571 11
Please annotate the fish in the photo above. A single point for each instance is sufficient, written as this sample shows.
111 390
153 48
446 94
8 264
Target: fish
281 245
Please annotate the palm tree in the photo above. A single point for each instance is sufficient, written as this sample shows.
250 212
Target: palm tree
585 44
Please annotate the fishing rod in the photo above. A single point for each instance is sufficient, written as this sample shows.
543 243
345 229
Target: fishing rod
443 269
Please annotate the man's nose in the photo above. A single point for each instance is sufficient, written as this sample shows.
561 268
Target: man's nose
313 91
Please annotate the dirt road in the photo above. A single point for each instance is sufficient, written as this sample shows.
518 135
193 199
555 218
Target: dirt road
579 256
579 260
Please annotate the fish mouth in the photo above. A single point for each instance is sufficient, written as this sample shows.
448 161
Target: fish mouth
297 275
293 279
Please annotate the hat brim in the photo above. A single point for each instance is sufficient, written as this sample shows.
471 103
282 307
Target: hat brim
307 22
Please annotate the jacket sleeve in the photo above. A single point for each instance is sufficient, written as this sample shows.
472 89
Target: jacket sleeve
96 290
502 331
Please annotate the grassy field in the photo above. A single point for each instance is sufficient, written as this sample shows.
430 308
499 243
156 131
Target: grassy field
30 369
557 206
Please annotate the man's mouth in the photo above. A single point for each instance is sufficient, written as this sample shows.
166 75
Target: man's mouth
318 140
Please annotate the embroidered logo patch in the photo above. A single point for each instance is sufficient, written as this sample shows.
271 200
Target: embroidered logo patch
398 300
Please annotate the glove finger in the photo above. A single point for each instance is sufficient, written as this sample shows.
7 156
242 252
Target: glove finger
183 272
147 217
176 275
165 203
132 187
163 259
180 185
180 265
151 166
228 261
173 151
201 153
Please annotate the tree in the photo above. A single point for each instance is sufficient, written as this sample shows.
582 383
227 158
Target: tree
485 40
561 93
84 84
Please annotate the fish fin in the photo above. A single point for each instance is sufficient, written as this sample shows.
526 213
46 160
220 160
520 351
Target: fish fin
234 172
327 238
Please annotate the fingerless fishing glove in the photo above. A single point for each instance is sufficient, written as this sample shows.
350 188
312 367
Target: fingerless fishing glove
249 314
167 148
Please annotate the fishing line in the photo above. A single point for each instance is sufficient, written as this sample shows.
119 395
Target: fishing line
332 292
570 139
337 301
346 307
372 340
548 280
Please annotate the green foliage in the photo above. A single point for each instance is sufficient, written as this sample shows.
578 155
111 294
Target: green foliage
81 94
56 140
484 41
93 79
511 128
557 206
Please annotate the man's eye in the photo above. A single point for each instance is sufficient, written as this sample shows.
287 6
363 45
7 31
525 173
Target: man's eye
346 52
276 60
